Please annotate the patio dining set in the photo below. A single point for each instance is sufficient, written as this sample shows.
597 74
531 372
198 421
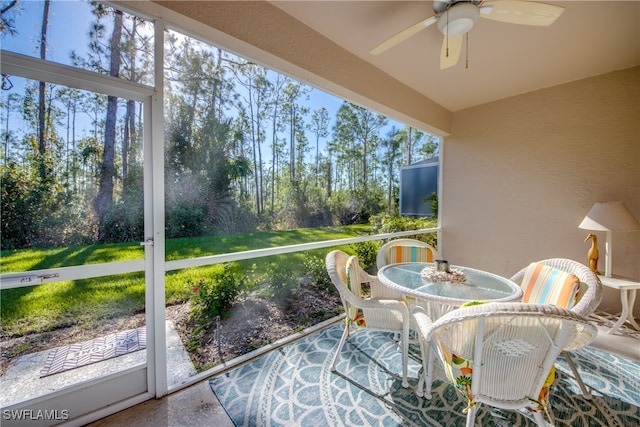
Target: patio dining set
497 339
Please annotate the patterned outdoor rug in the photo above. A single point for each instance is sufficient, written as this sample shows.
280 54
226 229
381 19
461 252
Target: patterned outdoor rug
294 386
96 350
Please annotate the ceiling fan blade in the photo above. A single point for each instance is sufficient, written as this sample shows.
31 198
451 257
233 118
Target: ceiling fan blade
403 35
521 12
454 45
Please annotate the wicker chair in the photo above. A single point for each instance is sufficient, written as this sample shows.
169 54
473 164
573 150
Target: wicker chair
363 311
503 354
588 298
405 250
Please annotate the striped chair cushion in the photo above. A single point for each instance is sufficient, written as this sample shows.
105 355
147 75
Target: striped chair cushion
354 314
402 253
543 284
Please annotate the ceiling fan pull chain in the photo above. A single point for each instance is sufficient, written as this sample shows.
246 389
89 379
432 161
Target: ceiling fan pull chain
447 36
467 59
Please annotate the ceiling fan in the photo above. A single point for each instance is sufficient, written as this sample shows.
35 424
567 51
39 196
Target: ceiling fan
455 18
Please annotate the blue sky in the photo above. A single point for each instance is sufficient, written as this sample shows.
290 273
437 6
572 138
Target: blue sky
68 29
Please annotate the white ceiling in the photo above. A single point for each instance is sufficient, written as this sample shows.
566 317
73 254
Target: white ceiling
588 39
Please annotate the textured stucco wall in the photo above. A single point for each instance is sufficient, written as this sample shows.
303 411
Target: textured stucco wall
520 174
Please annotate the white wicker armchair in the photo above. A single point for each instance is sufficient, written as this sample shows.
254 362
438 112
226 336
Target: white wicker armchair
390 254
590 287
503 354
403 250
362 311
588 299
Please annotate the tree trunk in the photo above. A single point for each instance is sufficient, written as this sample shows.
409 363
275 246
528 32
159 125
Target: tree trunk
128 137
274 151
254 148
317 160
41 86
6 127
259 146
129 121
292 144
390 186
107 169
364 165
74 163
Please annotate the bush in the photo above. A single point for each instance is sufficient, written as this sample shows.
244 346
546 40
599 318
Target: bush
185 221
124 222
231 217
433 201
19 213
350 213
356 208
213 297
385 223
317 271
367 252
280 284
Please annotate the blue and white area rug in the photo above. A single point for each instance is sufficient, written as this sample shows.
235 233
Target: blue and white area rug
294 386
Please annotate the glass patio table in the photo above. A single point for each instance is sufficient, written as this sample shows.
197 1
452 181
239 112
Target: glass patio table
437 297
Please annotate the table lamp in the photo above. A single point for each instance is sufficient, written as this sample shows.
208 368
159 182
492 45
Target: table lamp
609 217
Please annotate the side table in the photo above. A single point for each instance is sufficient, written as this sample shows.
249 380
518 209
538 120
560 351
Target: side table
627 290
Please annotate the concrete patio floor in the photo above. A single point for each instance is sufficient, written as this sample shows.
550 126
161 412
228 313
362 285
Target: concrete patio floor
197 405
22 380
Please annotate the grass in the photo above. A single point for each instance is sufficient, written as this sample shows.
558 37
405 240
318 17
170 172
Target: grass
38 259
47 307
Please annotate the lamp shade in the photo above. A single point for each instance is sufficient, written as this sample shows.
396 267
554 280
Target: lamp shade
610 216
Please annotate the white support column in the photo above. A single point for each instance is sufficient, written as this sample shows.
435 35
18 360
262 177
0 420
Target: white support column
154 224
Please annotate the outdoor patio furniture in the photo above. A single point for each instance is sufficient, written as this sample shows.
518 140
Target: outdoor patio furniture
503 354
362 311
405 250
437 298
585 303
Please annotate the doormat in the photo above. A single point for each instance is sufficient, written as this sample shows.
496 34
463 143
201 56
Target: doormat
96 350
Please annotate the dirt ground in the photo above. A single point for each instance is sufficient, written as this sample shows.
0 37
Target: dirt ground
253 323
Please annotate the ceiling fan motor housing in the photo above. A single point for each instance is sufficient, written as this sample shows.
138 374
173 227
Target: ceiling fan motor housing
458 19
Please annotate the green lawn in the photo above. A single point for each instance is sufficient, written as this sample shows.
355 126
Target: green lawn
47 307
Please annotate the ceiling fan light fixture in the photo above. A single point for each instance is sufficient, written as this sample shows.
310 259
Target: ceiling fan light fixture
459 19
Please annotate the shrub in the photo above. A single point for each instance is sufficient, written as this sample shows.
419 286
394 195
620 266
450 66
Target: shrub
433 201
185 221
232 217
280 283
356 208
385 223
124 222
367 252
37 212
317 271
214 296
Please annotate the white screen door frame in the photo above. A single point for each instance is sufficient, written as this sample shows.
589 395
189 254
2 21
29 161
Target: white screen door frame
107 394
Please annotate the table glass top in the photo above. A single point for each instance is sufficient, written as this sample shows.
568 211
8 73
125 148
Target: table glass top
480 285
